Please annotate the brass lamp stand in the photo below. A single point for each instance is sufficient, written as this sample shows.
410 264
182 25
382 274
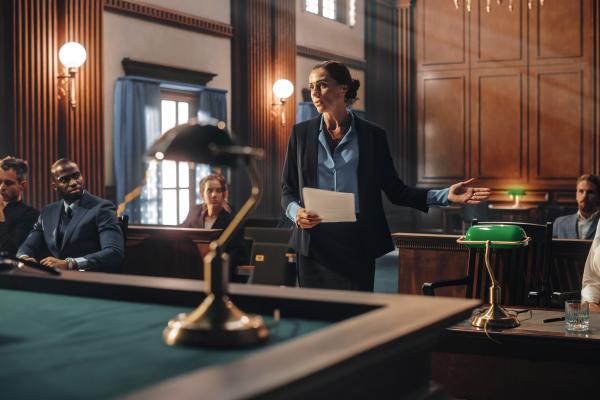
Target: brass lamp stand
216 321
494 317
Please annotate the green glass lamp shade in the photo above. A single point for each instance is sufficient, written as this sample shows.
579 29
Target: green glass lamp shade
500 236
194 142
516 192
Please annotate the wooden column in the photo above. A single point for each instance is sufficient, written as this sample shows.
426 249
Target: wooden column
596 69
263 50
35 114
45 128
84 132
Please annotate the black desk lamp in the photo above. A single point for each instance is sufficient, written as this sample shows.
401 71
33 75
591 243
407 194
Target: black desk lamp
216 321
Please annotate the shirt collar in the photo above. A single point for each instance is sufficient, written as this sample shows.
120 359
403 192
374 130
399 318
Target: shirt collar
72 206
348 134
584 219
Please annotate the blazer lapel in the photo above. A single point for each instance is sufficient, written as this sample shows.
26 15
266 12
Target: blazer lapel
311 153
52 221
363 161
78 213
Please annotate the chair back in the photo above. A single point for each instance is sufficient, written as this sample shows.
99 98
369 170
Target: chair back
520 271
271 265
124 223
568 263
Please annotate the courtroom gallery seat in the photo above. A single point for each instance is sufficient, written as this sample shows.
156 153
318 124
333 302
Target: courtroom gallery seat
523 273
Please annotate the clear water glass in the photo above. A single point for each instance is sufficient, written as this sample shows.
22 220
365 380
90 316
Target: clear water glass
577 316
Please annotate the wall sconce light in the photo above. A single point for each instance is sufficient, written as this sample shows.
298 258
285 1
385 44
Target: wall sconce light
282 89
72 55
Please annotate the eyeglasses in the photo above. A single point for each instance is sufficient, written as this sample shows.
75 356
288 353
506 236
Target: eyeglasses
67 178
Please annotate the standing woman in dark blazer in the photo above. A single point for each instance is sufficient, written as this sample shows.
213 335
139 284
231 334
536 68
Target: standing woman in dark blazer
215 213
341 152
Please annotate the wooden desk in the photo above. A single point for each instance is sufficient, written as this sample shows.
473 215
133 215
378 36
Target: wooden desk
167 251
533 361
101 338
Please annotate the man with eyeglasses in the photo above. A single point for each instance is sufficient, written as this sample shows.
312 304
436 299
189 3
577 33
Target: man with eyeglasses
78 232
16 217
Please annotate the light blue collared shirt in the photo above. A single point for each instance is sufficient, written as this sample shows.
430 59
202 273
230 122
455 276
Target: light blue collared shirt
338 171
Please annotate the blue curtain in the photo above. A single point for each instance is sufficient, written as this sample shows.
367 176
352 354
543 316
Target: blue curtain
213 103
306 110
136 124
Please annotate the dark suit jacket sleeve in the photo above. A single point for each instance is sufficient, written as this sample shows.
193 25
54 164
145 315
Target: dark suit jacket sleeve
391 184
26 221
111 253
34 245
290 186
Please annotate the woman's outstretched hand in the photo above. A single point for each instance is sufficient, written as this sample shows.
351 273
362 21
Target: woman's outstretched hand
462 194
307 220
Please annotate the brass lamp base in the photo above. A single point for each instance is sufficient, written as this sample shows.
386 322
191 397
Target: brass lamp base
216 322
495 317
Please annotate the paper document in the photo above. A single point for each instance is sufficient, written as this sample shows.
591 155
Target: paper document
330 206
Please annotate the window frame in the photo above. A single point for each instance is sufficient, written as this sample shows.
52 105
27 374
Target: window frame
191 99
342 8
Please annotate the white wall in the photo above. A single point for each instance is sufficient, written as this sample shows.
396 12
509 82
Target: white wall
151 42
334 37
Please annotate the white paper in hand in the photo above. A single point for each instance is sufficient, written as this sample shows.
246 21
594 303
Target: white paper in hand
330 206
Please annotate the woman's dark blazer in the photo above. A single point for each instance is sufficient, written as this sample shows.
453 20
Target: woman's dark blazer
376 173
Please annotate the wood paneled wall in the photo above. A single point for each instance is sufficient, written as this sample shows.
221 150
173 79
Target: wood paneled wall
45 128
506 97
263 51
34 92
85 128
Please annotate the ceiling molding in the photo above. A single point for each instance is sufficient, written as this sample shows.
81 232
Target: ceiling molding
169 17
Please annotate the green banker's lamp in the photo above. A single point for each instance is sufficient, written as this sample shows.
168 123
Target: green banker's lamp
494 237
516 194
216 321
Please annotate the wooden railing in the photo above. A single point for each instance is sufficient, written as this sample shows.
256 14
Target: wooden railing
165 251
430 257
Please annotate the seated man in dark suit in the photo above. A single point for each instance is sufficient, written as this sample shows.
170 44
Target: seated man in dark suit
582 224
16 217
79 232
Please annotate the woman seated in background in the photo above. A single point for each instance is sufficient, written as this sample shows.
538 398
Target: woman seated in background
215 213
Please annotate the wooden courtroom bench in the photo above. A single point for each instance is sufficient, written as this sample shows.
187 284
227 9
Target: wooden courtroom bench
431 257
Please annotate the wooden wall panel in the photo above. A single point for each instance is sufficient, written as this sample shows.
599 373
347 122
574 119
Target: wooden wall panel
442 135
560 124
84 129
499 37
34 70
444 34
532 93
45 127
560 31
498 122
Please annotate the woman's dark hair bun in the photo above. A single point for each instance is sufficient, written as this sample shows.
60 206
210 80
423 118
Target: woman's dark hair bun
352 90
